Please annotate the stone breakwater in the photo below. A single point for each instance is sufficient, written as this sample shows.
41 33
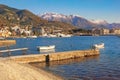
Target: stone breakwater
53 56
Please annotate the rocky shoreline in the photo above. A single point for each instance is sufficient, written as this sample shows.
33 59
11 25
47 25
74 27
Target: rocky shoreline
10 70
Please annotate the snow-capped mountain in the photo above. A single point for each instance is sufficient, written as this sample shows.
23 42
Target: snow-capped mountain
99 22
78 21
48 16
75 20
114 25
56 16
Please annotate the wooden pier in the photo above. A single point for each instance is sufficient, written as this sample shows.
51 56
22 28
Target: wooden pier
53 56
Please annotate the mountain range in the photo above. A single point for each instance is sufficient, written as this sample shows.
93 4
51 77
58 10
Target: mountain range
78 21
11 16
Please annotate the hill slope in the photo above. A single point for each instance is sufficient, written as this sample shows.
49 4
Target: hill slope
11 16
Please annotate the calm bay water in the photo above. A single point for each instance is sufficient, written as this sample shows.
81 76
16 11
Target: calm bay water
106 66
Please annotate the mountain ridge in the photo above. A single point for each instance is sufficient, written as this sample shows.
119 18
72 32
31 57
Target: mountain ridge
11 16
78 21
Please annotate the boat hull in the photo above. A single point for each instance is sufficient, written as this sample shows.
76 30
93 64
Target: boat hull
46 47
98 46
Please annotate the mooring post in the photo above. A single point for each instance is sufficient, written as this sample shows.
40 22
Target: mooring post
0 54
47 58
24 52
9 53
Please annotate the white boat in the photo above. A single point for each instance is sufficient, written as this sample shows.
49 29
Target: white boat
63 35
67 35
46 47
98 46
32 36
52 35
2 38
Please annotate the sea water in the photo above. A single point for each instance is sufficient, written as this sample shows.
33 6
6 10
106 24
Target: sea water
106 66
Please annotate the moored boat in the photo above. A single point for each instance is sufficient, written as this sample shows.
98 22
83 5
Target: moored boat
63 35
32 36
46 47
98 46
2 38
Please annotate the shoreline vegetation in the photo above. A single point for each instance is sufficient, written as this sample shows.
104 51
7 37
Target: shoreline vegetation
10 70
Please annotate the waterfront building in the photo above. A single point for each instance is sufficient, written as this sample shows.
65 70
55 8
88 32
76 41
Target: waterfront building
104 31
5 33
115 31
99 31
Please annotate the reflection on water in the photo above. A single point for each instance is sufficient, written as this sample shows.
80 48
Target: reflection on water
6 44
53 66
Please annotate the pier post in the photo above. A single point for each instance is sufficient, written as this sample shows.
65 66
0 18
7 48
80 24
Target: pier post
47 58
9 53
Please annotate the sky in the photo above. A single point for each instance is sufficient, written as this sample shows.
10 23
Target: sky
108 10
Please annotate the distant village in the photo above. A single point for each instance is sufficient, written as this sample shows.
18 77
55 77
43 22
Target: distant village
104 31
26 31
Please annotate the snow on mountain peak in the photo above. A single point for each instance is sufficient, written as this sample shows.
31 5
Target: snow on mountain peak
76 16
55 15
98 21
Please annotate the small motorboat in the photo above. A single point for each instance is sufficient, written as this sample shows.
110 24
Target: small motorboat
50 47
98 46
2 38
32 36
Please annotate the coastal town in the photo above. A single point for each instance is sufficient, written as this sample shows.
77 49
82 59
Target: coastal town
27 31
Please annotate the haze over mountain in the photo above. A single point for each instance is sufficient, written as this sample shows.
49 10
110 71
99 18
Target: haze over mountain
78 21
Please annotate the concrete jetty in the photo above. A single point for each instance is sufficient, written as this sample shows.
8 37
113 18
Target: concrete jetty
53 56
64 62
